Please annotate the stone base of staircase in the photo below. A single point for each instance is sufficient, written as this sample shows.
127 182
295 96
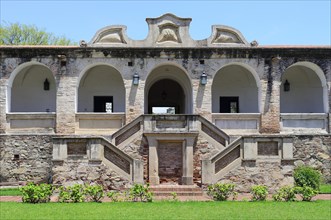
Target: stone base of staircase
183 193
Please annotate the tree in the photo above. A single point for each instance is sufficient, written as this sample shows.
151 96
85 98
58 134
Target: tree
22 34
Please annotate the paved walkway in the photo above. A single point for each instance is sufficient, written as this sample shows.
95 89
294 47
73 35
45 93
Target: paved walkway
241 197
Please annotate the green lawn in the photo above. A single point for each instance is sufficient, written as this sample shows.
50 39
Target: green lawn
10 192
325 188
168 210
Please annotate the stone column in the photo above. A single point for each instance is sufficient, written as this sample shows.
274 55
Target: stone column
270 118
95 150
3 99
187 178
65 105
60 151
154 178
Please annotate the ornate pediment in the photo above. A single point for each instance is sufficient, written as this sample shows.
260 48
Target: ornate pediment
110 35
227 35
168 32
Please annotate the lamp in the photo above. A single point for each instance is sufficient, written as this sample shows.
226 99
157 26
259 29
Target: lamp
46 85
203 78
135 79
286 86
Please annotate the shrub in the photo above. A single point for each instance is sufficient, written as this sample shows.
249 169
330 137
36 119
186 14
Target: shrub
73 193
306 192
286 193
113 195
174 196
221 191
32 193
259 193
307 176
94 192
141 192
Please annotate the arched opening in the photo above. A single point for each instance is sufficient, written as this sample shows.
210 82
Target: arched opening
101 89
235 89
303 89
168 90
32 88
166 96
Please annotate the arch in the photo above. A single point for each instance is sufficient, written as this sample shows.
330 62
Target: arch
308 89
103 83
173 73
26 92
239 81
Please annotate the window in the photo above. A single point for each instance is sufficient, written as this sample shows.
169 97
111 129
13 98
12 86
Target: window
229 104
103 104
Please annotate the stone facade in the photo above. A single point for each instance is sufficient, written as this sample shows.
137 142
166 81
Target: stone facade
25 158
239 123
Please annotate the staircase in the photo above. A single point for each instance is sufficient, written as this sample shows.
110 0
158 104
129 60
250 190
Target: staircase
180 192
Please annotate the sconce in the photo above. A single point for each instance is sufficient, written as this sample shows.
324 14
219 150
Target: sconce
46 85
135 79
203 78
286 86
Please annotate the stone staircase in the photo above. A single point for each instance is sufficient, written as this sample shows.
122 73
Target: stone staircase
183 192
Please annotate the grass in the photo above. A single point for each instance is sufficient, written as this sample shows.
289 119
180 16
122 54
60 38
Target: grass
168 210
10 192
325 189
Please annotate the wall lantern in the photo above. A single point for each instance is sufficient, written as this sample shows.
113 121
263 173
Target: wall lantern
135 79
203 78
286 86
46 85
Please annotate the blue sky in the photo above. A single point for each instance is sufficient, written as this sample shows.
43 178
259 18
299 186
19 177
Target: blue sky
269 22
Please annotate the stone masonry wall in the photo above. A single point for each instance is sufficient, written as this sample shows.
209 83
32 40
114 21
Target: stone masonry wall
80 171
314 151
25 158
264 172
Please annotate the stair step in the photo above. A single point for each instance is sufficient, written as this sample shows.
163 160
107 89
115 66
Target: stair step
169 193
180 190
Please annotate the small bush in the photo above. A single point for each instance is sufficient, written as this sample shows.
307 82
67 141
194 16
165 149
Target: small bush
285 193
307 176
141 192
259 193
113 195
94 192
32 193
73 193
221 191
174 196
306 192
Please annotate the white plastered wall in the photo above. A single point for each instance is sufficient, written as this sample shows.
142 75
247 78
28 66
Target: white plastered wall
308 90
236 80
26 89
100 80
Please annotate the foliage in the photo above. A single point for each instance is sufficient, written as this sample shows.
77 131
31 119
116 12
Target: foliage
286 193
32 193
94 192
10 192
174 196
306 192
114 196
221 191
259 193
22 34
307 176
73 193
167 210
141 192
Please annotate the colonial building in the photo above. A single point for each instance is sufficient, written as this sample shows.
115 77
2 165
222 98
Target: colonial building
165 110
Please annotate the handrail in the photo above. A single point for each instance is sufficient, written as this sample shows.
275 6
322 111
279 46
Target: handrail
227 150
214 129
117 136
